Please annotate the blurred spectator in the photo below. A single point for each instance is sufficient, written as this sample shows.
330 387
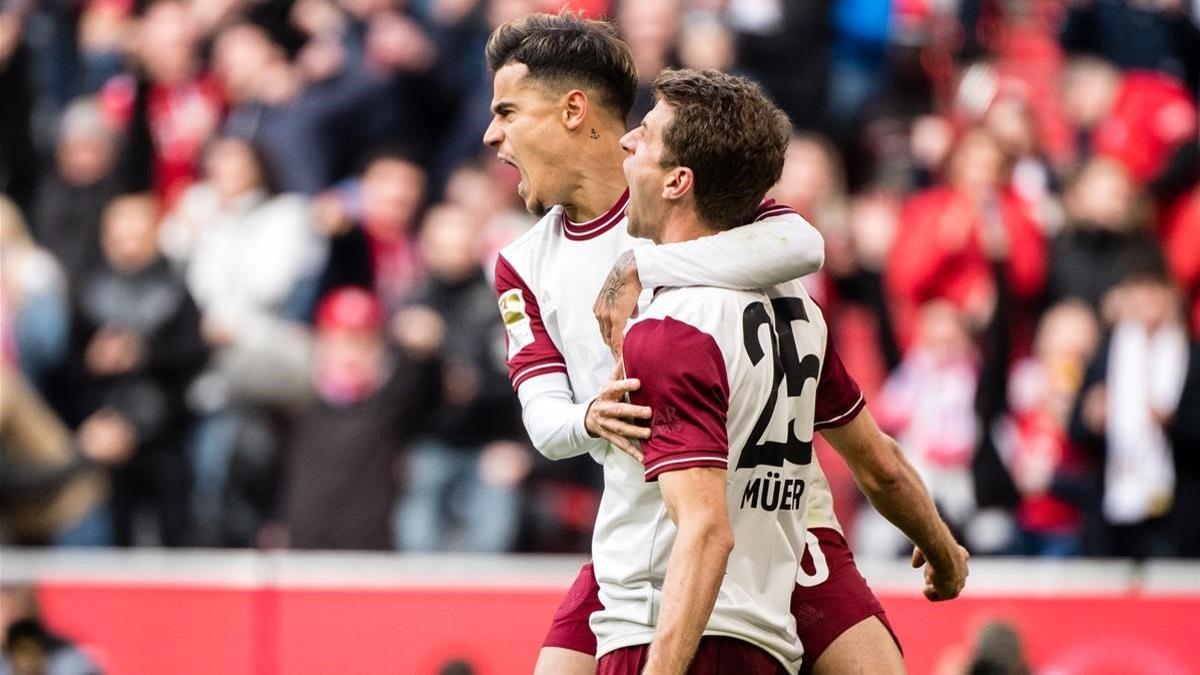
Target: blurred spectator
374 225
650 29
294 120
485 188
927 405
33 298
250 258
467 456
862 30
1181 239
29 645
1166 30
998 651
1011 122
137 347
104 30
955 239
785 45
1130 394
1047 469
178 107
72 197
51 494
1145 120
1184 433
17 179
814 184
1106 238
344 451
706 43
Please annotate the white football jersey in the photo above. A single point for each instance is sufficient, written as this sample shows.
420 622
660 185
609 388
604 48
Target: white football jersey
732 377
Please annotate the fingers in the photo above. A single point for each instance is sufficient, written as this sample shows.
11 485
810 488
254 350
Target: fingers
623 444
918 558
626 411
615 390
616 426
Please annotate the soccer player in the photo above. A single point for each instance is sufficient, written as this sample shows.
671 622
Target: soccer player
563 87
727 373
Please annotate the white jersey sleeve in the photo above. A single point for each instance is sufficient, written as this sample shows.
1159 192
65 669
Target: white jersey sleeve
553 420
779 246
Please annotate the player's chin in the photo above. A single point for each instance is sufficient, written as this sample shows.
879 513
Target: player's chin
535 206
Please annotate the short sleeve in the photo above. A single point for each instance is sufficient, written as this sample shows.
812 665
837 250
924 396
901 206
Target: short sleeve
684 382
839 399
530 351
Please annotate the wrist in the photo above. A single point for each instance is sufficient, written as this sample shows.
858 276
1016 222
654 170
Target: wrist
943 551
588 431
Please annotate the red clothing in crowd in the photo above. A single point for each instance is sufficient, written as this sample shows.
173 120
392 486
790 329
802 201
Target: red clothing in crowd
396 265
1151 117
1181 240
181 118
1039 433
924 266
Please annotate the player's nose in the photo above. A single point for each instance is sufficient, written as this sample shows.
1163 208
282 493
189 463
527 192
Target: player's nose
629 141
493 136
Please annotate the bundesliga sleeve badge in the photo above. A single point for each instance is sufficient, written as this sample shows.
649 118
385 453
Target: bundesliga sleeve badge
516 321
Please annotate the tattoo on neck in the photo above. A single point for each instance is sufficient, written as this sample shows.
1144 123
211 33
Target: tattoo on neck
594 134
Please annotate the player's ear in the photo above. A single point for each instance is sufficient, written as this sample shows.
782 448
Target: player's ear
574 109
677 182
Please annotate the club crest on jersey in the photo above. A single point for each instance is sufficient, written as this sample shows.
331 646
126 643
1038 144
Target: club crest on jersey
516 321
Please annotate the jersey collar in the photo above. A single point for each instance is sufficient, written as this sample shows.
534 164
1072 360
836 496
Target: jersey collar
598 225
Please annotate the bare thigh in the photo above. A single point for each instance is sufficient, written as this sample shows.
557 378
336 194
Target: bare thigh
867 648
559 661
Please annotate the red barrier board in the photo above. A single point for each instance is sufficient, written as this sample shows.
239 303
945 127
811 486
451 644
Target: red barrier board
140 629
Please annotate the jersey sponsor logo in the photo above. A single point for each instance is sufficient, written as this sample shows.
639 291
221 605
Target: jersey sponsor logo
516 321
665 420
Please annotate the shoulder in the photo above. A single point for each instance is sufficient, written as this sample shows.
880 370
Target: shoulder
711 311
699 305
534 240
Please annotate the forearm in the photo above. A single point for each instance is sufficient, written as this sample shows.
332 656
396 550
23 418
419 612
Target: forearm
901 498
554 422
892 485
756 255
694 574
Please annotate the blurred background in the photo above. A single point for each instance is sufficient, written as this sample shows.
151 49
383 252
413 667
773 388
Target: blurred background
245 249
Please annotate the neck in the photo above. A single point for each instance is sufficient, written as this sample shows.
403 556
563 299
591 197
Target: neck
601 179
683 224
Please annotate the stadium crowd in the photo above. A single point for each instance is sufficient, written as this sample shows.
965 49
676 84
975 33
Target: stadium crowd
246 249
